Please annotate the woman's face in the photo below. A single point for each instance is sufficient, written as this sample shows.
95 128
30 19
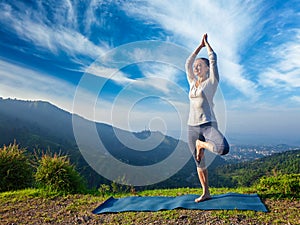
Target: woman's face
200 68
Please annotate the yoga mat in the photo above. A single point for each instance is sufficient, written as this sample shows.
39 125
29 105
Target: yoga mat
229 201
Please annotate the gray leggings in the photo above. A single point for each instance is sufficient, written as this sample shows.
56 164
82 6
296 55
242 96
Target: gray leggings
207 132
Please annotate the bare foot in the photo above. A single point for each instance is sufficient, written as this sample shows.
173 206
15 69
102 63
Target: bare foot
203 198
200 150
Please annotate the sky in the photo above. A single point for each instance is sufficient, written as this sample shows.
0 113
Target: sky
122 62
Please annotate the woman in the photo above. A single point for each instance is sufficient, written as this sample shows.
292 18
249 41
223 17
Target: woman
203 133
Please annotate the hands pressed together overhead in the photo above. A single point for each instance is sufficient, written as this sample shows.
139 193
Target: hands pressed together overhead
204 43
204 40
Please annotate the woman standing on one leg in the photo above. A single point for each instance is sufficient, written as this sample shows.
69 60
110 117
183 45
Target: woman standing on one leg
203 133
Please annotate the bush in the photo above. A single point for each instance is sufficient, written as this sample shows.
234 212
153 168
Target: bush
286 184
16 171
104 189
57 174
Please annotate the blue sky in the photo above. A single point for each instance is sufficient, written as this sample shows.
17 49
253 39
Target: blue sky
48 48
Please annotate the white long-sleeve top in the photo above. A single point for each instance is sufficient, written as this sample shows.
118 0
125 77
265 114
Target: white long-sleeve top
201 97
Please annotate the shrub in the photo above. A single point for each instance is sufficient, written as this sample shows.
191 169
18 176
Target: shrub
285 184
16 171
58 174
104 189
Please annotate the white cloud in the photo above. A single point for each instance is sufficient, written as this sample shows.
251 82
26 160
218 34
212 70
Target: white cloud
159 76
157 62
33 27
235 78
108 73
285 72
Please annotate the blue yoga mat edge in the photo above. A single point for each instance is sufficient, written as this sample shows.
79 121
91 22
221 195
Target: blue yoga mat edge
147 203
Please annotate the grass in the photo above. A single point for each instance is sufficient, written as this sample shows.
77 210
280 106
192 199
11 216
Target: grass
183 191
37 206
27 193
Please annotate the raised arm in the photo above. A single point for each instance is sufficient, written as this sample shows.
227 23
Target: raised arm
202 44
214 74
190 60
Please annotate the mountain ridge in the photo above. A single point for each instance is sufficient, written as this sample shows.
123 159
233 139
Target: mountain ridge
40 125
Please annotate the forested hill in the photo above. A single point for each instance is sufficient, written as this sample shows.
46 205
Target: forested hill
247 173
